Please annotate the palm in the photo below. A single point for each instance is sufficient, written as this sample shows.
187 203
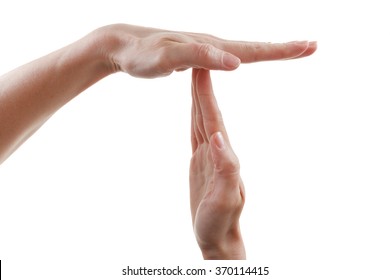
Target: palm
201 170
209 209
201 183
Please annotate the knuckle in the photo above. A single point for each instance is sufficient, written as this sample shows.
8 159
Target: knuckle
205 38
162 62
172 37
204 50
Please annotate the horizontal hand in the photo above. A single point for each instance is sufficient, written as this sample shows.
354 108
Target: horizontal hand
148 52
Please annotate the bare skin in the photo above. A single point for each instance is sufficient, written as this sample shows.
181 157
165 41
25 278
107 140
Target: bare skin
216 189
32 93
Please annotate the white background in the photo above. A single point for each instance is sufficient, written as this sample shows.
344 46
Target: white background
104 183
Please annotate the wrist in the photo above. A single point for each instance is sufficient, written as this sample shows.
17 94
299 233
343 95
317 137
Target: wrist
230 248
235 252
109 42
100 45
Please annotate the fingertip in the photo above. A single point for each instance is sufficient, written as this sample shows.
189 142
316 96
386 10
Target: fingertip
298 47
203 80
312 48
304 43
194 74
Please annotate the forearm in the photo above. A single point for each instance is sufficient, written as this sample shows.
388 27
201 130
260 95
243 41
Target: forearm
32 93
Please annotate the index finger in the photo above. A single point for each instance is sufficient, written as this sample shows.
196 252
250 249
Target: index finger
218 54
249 52
212 117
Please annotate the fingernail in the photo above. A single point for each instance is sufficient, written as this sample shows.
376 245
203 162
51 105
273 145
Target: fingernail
230 61
219 140
298 43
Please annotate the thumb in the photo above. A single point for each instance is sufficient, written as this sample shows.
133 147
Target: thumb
203 56
226 164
